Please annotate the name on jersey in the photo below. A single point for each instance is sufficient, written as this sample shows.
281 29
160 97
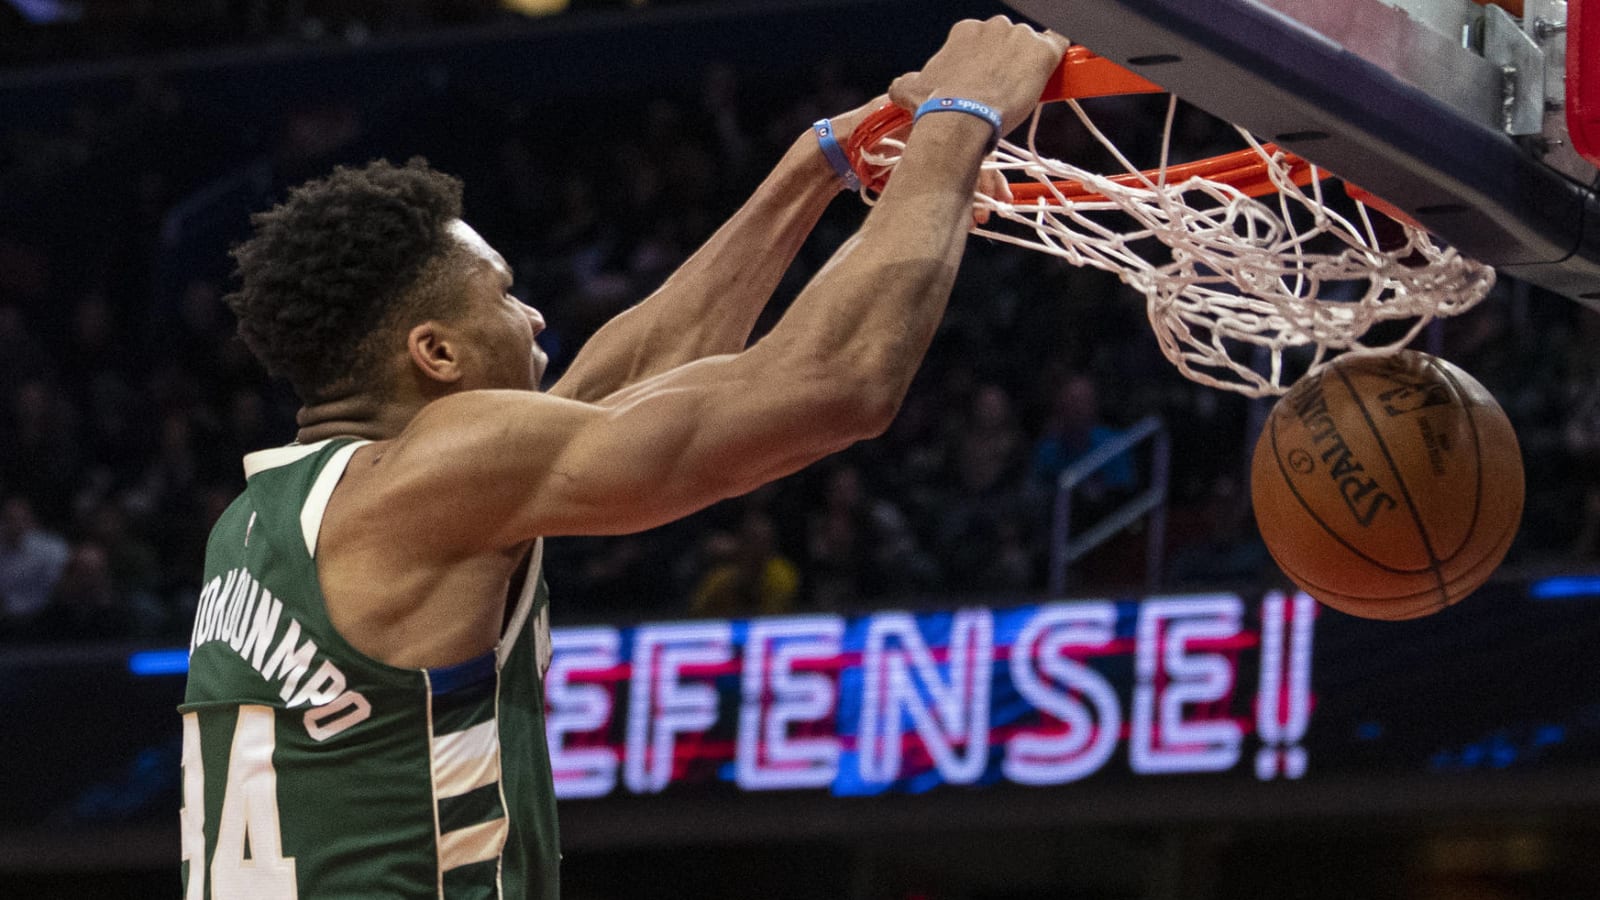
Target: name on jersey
236 610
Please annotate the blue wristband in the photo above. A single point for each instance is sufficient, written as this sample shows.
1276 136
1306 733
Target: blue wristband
961 104
835 154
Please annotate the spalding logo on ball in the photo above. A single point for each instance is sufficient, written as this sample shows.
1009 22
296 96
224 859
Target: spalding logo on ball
1387 487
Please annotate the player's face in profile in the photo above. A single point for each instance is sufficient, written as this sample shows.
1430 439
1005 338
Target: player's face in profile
504 326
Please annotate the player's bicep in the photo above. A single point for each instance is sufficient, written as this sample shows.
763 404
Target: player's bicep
676 444
504 467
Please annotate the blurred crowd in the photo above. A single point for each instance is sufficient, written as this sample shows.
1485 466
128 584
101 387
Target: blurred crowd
51 31
126 402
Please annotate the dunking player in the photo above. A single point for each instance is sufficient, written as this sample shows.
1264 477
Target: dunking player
364 712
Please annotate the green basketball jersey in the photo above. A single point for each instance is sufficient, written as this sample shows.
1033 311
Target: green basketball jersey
313 771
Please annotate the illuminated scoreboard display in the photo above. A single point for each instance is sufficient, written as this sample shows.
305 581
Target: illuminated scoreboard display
1205 685
1228 698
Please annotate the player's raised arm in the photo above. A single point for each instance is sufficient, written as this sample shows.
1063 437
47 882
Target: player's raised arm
831 372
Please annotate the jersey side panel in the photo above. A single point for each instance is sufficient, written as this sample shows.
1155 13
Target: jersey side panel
533 852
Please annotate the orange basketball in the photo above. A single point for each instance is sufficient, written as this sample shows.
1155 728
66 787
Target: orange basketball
1387 487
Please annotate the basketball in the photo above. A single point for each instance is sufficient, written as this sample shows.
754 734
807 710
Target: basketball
1387 487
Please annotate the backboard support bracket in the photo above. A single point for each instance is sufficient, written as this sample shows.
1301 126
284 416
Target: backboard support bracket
1521 63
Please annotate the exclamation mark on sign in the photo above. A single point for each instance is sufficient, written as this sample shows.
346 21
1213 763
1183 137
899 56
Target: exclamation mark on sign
1283 705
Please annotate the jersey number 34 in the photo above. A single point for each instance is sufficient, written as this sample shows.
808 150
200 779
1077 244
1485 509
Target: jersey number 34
249 815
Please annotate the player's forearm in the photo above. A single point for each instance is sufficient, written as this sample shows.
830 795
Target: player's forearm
711 303
873 310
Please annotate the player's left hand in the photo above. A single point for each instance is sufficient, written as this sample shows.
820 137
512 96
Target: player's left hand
991 183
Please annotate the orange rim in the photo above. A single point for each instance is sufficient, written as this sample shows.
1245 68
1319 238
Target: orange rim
1243 170
1080 76
1361 195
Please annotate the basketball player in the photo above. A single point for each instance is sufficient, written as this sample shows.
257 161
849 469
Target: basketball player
364 712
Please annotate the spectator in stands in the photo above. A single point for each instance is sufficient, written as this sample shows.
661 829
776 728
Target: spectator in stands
26 356
1075 429
1216 542
131 560
201 327
720 115
96 349
87 605
31 562
859 547
40 452
987 509
750 576
990 448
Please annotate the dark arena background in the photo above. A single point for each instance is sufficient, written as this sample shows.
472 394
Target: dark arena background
878 679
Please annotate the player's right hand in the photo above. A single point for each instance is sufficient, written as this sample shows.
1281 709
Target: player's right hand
995 61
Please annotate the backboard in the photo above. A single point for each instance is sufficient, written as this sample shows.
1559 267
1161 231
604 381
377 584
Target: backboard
1467 117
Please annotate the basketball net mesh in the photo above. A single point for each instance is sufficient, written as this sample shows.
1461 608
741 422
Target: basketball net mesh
1231 282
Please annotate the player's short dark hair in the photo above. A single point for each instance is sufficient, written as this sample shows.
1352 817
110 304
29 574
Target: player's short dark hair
337 264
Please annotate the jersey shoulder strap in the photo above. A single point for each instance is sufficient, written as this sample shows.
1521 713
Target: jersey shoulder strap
289 488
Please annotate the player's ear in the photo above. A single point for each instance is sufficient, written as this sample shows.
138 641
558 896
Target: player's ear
435 351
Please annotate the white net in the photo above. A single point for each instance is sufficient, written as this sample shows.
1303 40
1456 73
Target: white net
1232 283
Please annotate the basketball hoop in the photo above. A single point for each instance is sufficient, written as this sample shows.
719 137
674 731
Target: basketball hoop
1240 257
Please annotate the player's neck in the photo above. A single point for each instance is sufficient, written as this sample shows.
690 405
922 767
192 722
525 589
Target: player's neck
358 415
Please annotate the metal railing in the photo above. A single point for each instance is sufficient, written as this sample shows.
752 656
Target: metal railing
1065 549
